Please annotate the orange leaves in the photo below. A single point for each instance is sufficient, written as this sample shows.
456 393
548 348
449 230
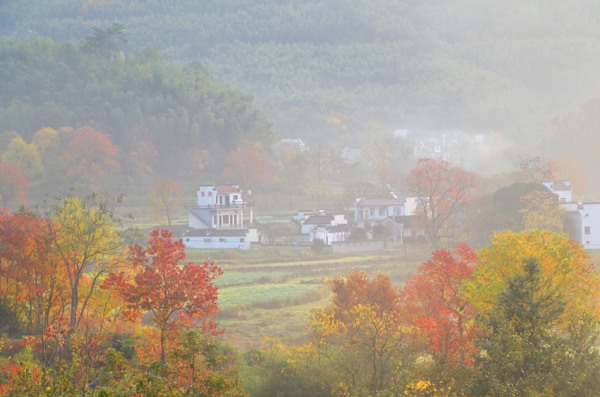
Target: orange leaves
173 292
13 184
91 158
250 166
441 190
563 265
438 311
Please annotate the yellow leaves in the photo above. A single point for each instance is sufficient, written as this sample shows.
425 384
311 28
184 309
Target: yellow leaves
324 324
564 265
26 156
540 210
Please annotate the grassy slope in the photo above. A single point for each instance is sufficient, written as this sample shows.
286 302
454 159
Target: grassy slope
270 293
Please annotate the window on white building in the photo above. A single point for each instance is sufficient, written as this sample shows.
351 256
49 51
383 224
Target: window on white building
587 230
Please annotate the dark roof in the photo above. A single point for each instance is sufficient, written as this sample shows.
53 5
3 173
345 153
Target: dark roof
561 186
215 232
338 228
380 201
318 220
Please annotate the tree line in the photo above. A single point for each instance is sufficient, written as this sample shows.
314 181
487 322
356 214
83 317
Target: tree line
87 311
154 112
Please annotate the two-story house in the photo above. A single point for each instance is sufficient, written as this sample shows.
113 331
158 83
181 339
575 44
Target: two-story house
582 220
396 211
219 219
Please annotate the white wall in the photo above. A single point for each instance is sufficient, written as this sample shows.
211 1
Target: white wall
216 242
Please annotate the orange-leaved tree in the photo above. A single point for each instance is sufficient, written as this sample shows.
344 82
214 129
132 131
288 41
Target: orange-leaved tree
173 292
91 158
13 184
250 166
362 335
441 191
442 317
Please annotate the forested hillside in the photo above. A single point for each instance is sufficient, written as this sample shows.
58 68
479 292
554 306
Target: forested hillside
378 65
148 117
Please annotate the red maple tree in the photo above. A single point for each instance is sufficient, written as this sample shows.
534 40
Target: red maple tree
13 184
441 191
438 311
91 158
174 293
250 167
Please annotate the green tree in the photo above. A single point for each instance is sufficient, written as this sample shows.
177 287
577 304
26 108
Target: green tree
522 351
106 42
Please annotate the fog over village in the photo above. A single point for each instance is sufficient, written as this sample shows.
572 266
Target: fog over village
299 198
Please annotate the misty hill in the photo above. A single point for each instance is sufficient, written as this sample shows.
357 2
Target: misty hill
385 64
178 113
335 71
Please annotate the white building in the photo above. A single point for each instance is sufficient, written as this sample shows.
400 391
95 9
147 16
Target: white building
219 221
562 189
582 223
582 220
396 211
320 224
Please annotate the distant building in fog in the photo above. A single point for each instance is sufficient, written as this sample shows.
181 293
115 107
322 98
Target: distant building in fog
582 220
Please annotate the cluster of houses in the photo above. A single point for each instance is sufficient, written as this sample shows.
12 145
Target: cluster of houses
223 219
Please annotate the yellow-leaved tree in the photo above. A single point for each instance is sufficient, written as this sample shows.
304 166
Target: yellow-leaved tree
88 245
564 267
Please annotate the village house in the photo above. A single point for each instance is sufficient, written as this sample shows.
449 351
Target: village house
394 211
219 221
582 220
582 223
320 224
562 189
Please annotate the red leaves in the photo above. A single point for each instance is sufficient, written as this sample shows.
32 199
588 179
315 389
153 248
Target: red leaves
250 167
161 284
91 156
441 191
437 309
13 184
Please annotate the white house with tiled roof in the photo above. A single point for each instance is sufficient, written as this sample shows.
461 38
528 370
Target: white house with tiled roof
562 189
582 220
219 221
321 224
397 211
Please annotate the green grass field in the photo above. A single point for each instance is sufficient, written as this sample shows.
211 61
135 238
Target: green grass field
270 292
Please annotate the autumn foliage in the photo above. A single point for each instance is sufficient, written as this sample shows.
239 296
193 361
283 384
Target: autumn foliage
439 312
13 184
176 294
249 165
91 158
467 323
442 191
68 337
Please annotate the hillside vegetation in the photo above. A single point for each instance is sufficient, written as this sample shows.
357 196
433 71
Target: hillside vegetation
497 65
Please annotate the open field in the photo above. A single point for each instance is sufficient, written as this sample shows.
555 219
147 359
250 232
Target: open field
270 292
